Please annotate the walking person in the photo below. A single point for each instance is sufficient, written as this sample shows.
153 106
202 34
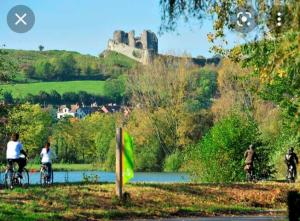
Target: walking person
249 156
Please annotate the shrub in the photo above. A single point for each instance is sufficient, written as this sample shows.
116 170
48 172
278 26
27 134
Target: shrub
219 157
173 162
148 157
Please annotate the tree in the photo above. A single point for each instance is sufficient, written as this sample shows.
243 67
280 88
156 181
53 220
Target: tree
115 89
43 98
64 66
29 71
41 48
219 156
44 69
32 99
8 67
85 141
84 97
55 97
62 141
33 124
70 98
165 92
274 60
8 98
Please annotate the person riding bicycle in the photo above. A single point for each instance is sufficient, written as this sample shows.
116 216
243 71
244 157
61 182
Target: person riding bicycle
47 155
15 153
291 159
249 155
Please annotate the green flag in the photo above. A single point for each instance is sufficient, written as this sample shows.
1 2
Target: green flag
127 158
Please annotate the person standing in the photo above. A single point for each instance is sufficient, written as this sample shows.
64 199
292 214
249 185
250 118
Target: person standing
249 156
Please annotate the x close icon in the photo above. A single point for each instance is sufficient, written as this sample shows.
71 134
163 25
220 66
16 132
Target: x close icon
20 19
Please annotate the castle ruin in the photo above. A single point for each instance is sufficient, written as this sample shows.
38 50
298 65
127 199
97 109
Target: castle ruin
142 49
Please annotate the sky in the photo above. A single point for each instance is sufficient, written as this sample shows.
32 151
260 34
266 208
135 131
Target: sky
86 25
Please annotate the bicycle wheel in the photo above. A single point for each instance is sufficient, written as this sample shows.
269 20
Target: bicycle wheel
43 178
52 177
8 179
24 181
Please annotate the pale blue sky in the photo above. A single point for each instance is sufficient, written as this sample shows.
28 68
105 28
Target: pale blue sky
86 25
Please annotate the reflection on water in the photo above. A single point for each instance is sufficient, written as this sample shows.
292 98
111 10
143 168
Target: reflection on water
78 176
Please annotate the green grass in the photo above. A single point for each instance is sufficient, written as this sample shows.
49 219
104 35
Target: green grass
87 201
21 90
67 167
111 59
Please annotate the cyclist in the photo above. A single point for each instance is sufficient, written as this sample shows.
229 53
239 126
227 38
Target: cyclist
47 155
15 153
291 159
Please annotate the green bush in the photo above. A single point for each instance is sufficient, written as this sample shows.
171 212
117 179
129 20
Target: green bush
219 157
288 138
173 162
110 163
148 157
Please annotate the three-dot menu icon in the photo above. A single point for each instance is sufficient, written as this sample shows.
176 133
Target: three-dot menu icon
279 19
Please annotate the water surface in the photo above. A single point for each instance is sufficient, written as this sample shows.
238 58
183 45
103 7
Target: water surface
139 177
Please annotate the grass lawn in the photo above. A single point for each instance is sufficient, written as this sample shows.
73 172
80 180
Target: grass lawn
21 90
98 202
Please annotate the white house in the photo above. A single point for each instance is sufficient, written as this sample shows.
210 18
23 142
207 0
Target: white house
64 111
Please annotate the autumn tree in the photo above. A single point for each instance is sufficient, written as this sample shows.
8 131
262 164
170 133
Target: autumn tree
170 95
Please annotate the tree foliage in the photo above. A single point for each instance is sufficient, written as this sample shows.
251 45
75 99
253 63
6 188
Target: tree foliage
172 97
84 141
33 124
219 155
7 67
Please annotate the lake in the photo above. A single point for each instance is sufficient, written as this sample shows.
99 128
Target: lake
78 176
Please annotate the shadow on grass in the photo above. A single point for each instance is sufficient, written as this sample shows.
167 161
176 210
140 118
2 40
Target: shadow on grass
193 190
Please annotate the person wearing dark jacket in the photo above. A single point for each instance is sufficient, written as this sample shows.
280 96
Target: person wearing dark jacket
291 159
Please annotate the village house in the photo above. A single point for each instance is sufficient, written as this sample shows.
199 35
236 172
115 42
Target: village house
64 111
82 111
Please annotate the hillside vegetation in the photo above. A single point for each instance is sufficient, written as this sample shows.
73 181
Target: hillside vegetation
45 76
58 65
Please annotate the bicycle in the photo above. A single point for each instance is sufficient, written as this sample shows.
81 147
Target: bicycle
291 174
44 176
12 177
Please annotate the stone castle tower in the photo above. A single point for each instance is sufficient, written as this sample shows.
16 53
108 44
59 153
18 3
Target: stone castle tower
142 49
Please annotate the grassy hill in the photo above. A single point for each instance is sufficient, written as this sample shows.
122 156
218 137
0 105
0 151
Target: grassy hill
63 71
54 65
21 90
108 59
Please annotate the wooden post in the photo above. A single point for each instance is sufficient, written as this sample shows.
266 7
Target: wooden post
119 163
